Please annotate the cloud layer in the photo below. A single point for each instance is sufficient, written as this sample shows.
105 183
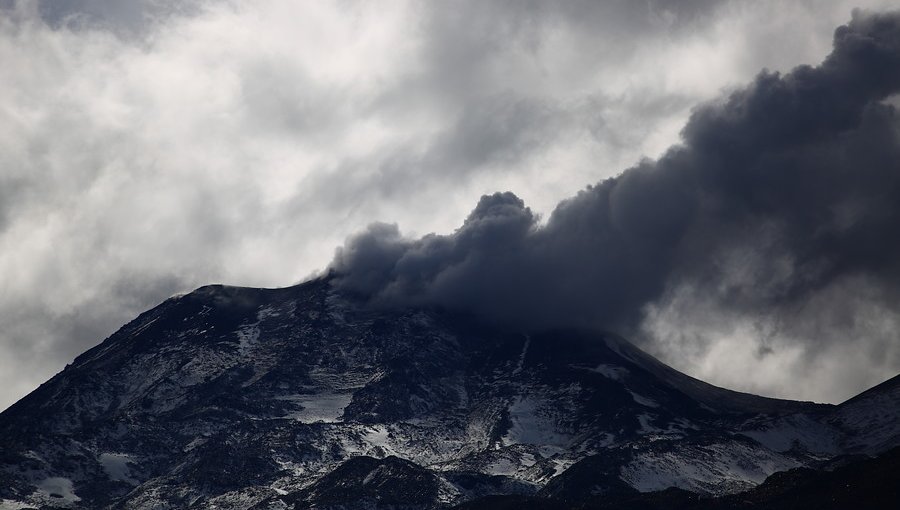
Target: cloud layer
781 206
152 146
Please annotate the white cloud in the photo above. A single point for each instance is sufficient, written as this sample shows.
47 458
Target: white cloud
144 152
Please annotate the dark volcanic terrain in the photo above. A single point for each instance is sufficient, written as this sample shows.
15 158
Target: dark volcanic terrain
300 397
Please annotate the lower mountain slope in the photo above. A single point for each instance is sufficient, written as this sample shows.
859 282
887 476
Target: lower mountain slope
301 397
848 482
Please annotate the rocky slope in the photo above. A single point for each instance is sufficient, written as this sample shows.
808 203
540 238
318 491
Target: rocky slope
300 397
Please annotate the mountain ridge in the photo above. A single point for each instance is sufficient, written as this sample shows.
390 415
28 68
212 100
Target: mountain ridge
236 397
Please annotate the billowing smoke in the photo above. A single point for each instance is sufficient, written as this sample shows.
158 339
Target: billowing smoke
784 195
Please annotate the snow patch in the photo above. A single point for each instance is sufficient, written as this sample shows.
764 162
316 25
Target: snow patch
521 363
642 400
614 372
270 311
117 467
197 441
377 439
248 336
319 408
58 488
8 504
796 430
715 469
874 419
645 427
502 466
531 425
560 464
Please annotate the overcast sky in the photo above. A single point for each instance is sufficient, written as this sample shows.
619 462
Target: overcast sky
150 147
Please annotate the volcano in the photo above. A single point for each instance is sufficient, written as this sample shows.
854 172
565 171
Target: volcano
303 397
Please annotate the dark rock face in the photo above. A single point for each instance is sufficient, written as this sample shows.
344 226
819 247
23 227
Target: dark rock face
870 483
300 397
370 482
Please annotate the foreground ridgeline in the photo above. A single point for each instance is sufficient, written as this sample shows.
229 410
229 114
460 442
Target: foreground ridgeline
235 398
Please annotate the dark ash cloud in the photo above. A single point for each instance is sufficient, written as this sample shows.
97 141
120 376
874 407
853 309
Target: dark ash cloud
153 146
780 193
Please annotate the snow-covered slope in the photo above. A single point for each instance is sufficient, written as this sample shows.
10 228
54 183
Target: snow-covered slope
278 398
871 419
866 424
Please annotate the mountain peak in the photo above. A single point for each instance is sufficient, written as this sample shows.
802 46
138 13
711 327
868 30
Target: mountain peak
231 397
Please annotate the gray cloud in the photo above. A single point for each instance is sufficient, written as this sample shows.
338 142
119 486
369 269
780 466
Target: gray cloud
783 198
149 147
127 19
